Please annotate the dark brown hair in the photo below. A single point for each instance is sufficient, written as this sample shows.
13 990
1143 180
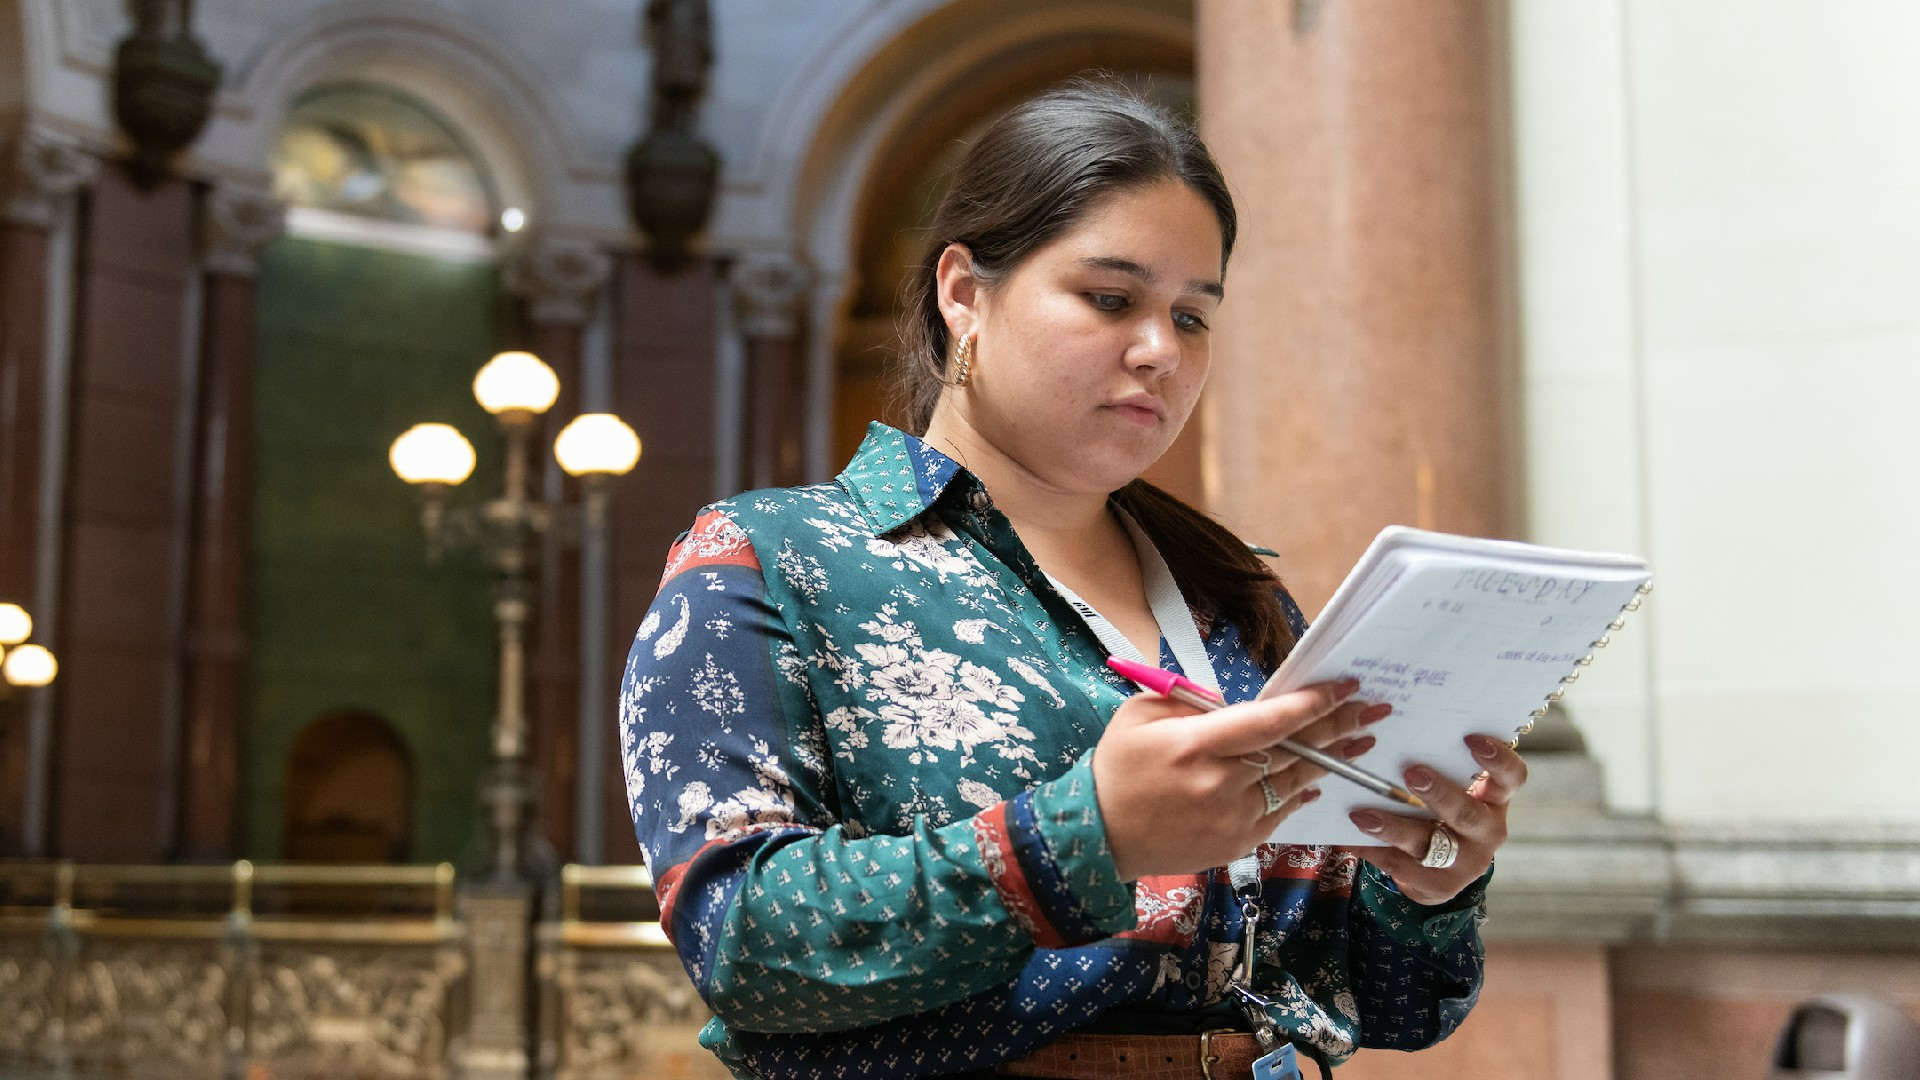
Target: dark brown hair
1034 174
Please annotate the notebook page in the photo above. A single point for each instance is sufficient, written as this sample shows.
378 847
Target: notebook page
1458 644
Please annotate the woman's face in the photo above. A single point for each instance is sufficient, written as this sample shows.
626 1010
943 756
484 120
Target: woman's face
1089 357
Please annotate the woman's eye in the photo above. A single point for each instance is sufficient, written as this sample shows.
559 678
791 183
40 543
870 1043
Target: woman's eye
1187 320
1107 301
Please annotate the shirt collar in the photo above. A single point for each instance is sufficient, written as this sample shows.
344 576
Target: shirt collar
894 477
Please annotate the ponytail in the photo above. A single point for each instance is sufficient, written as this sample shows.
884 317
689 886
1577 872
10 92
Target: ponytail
1215 570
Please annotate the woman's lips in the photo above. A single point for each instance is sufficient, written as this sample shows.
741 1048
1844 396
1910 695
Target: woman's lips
1141 409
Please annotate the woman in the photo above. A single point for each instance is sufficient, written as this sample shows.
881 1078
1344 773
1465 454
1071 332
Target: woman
903 820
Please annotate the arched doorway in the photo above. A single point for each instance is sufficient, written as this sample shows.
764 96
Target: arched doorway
349 791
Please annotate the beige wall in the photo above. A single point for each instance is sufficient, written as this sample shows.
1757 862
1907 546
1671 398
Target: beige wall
1718 237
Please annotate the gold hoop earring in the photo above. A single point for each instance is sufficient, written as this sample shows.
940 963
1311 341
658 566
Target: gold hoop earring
963 361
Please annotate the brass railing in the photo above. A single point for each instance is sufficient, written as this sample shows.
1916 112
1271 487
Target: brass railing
615 1002
263 972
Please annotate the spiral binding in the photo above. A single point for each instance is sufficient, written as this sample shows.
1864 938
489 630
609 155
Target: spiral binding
1573 676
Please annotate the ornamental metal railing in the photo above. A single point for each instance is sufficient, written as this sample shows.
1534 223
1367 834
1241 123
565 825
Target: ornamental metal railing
260 972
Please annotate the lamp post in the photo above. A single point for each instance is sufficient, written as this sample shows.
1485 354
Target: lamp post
516 387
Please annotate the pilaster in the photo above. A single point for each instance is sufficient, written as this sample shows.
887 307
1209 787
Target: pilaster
41 178
769 290
560 281
236 226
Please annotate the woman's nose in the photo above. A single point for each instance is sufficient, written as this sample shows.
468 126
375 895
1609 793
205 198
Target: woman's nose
1156 346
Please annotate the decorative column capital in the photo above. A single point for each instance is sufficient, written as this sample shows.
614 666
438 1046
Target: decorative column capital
37 173
235 226
770 288
558 279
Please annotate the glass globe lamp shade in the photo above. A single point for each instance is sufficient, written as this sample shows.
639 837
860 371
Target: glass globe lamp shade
432 454
16 625
516 382
597 444
29 665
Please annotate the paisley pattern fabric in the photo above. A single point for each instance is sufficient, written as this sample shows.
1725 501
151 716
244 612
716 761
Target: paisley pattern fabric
857 726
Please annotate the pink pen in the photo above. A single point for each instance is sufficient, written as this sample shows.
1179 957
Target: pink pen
1185 690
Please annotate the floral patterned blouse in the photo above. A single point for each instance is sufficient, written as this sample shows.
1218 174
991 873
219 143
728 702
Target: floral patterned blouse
857 726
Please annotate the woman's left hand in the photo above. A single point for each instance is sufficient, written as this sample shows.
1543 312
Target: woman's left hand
1477 817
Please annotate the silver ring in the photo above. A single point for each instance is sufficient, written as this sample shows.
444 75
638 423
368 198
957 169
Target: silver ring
1265 764
1442 848
1274 801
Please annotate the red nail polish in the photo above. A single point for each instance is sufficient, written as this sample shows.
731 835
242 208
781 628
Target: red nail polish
1367 821
1358 747
1483 748
1420 779
1375 713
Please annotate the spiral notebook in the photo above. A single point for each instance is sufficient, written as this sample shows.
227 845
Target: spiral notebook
1461 635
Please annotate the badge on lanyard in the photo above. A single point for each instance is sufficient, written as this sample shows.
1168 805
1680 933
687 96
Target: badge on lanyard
1278 1065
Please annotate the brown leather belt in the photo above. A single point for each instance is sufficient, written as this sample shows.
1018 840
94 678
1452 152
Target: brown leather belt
1211 1055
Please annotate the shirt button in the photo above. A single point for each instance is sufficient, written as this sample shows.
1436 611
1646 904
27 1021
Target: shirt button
1195 981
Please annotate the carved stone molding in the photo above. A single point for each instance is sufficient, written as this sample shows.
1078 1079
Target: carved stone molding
37 174
770 289
235 226
559 279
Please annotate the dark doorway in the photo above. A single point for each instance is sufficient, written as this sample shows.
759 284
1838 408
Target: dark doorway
349 791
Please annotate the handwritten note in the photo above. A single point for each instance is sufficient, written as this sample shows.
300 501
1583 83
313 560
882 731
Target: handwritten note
1460 636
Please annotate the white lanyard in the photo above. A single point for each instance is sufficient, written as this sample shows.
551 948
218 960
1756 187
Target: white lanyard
1183 638
1169 611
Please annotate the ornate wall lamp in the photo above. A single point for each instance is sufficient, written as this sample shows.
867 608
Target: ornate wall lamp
516 387
21 665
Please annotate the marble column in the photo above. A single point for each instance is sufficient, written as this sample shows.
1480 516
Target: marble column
559 281
1362 372
768 290
39 179
236 225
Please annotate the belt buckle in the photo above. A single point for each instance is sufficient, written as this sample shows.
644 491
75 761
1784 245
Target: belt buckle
1207 1056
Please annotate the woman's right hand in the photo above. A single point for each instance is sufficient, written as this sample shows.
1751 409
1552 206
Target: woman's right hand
1175 793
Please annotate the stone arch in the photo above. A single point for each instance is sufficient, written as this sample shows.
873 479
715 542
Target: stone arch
913 75
348 791
497 102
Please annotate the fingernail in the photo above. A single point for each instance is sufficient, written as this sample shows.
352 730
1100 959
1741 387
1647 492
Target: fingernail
1420 778
1375 713
1345 689
1357 747
1367 821
1309 795
1483 748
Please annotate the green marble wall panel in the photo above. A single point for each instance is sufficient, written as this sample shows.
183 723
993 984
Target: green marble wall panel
355 346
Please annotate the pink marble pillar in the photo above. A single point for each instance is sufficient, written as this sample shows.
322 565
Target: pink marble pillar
1361 363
